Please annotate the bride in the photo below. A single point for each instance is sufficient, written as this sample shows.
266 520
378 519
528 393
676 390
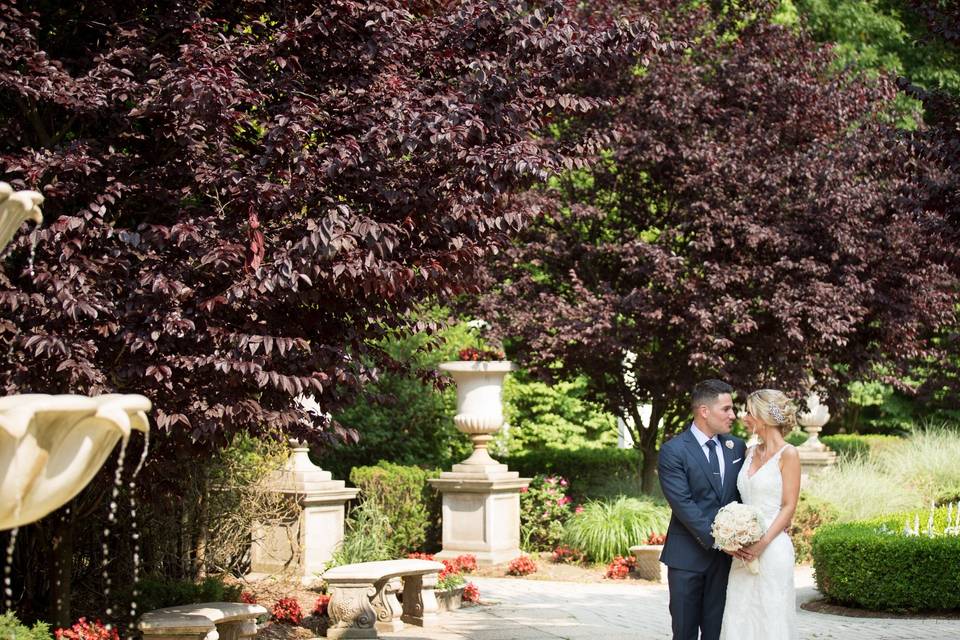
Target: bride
763 606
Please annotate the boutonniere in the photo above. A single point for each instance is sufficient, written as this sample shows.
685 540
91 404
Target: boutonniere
728 444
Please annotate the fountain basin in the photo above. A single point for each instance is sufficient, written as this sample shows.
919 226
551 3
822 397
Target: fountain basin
51 446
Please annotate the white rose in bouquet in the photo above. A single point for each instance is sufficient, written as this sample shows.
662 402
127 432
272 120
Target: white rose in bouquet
736 526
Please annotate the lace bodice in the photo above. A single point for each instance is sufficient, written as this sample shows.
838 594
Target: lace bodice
764 489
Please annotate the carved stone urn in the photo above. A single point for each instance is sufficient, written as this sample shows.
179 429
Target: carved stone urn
479 407
814 455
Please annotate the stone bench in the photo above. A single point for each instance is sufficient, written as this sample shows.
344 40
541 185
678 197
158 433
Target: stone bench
363 597
206 621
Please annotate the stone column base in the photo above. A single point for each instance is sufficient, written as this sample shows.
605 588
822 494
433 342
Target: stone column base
813 461
481 513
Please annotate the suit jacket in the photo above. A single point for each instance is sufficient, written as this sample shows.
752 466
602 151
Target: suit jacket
687 483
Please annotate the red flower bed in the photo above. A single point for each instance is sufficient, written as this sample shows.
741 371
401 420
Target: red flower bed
471 593
83 630
287 611
657 538
620 567
320 608
248 598
567 555
522 566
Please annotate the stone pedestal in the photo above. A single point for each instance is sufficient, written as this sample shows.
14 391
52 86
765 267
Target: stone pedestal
814 455
481 497
303 543
481 515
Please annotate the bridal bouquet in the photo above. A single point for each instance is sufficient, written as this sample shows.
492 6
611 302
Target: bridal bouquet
736 526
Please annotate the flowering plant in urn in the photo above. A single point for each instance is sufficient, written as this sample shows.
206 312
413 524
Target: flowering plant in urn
736 526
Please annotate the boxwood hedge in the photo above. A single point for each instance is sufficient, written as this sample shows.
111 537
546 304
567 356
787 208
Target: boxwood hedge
872 565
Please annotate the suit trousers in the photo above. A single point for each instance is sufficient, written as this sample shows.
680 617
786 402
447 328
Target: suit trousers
697 599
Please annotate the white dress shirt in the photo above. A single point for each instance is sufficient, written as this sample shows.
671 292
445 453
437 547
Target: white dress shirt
702 440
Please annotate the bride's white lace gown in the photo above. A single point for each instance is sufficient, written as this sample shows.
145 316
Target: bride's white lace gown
762 606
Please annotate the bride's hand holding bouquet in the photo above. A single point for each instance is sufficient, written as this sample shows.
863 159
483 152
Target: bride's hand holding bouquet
736 527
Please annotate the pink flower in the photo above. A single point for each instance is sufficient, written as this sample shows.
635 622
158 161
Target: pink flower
579 509
523 489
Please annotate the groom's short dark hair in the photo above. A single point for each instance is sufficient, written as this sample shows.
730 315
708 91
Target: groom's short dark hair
707 392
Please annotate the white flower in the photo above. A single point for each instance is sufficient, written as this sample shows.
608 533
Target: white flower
736 526
728 444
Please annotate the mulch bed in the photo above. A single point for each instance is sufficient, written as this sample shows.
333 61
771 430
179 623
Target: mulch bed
823 606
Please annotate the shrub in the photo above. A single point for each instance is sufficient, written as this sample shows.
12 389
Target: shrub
554 416
567 555
287 611
589 471
156 593
471 593
406 499
11 627
522 566
366 537
248 598
860 489
82 629
871 565
811 514
621 567
848 446
544 507
604 530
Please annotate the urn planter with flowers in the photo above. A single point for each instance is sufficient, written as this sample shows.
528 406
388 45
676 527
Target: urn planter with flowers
648 565
481 497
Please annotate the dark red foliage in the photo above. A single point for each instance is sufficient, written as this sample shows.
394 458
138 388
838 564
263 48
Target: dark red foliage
756 221
242 194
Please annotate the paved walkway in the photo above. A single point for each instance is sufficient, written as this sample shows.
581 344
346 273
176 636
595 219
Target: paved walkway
540 610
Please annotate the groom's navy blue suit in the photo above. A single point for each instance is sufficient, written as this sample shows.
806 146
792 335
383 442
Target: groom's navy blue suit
697 573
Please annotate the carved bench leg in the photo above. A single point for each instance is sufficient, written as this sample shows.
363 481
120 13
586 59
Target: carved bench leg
351 615
419 600
387 606
239 630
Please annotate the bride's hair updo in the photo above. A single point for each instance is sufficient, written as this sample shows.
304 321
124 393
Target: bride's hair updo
773 408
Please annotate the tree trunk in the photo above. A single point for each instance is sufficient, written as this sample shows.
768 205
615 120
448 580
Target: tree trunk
645 441
202 530
61 584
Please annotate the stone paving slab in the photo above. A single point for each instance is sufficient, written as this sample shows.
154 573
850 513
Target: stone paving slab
543 610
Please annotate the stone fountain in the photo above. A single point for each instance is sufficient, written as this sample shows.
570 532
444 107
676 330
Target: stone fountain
51 446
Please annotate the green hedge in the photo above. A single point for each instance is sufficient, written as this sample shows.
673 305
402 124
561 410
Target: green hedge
591 472
410 504
859 564
851 445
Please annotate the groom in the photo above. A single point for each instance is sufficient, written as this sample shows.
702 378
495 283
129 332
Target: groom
698 474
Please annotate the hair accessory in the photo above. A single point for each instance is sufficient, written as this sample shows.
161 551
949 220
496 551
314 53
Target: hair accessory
776 414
